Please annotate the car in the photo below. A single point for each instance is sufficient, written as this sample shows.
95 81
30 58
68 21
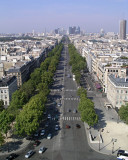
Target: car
68 110
54 103
36 134
36 143
11 156
42 132
74 111
47 124
59 104
49 136
29 154
49 116
42 149
56 127
78 126
67 126
30 138
56 117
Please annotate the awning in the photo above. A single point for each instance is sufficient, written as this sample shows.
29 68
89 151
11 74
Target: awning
98 86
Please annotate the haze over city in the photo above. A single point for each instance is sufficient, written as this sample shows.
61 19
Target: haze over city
91 16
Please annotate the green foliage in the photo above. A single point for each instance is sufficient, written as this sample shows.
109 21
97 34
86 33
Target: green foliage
1 139
5 121
86 108
81 92
1 105
123 113
77 62
89 116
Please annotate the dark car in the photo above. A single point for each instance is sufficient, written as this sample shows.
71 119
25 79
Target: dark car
30 138
78 126
67 126
11 156
36 143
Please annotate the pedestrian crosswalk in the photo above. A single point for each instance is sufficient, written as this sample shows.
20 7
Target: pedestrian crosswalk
71 118
70 90
68 118
77 99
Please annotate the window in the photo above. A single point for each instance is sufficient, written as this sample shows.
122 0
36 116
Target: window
5 91
120 97
116 102
1 91
117 91
5 102
126 92
5 97
116 70
121 91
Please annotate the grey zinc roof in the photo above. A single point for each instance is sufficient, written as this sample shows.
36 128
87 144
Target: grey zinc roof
122 82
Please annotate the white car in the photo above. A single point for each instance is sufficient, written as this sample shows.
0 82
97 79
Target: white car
42 149
59 104
49 136
42 132
29 154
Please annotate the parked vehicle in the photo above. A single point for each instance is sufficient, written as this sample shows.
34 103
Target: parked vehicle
47 124
11 156
49 116
42 132
56 127
59 104
36 143
36 134
42 149
49 136
29 154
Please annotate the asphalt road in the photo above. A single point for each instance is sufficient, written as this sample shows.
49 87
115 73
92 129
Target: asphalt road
66 144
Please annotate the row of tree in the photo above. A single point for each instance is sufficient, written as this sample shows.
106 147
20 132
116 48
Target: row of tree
28 103
77 62
86 106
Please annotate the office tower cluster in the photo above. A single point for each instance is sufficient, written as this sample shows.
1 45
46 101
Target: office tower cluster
122 32
74 30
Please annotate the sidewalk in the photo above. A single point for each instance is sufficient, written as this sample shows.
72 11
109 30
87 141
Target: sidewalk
110 134
14 146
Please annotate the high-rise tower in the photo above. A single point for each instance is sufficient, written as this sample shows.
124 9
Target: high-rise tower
122 34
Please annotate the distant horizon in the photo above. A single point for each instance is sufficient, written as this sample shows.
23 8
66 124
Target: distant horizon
92 16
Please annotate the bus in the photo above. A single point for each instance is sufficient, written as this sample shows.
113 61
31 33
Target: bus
122 155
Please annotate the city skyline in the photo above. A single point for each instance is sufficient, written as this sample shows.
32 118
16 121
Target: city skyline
91 16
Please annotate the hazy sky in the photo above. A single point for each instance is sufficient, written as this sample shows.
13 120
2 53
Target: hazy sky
91 15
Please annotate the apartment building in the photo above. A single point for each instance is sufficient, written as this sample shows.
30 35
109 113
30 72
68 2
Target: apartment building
8 85
117 91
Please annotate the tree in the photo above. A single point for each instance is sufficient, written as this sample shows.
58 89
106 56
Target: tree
81 92
85 103
89 116
1 139
1 105
123 113
5 121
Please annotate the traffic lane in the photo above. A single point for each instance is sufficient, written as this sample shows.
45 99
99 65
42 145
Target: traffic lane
69 84
68 104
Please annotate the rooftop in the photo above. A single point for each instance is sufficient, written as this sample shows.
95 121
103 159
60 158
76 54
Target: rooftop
120 82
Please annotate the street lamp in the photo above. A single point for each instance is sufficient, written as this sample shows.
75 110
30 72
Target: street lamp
113 140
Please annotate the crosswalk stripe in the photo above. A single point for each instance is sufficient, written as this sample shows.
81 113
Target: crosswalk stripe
71 118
